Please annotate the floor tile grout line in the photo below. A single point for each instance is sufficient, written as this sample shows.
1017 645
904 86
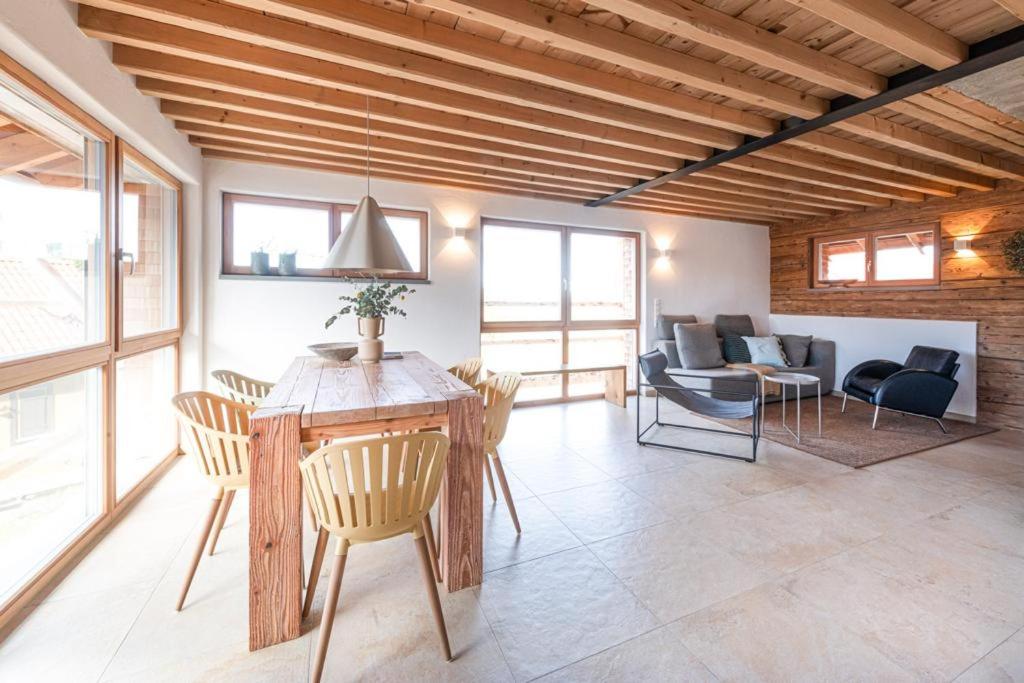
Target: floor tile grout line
994 648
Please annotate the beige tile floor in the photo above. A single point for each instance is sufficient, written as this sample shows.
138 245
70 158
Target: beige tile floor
634 564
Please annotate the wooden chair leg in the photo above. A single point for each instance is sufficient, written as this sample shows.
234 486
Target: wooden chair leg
490 478
435 601
222 516
428 532
314 571
330 607
203 536
500 471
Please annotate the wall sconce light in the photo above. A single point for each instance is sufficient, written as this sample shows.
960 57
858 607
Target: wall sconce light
458 235
962 245
664 260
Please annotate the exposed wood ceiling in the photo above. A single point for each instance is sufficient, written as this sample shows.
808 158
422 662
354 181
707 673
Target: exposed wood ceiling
575 101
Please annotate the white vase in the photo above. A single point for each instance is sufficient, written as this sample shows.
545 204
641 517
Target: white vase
371 347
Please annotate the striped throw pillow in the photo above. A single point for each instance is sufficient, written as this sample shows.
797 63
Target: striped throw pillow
734 349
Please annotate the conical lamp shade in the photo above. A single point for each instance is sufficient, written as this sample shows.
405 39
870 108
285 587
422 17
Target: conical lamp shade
367 244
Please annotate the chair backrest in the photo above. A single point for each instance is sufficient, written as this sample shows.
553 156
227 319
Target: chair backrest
372 489
941 361
218 431
468 370
499 392
238 387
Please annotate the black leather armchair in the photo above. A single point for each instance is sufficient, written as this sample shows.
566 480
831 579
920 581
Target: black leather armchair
922 386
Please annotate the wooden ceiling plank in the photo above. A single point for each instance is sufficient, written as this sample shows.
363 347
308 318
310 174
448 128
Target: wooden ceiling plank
281 98
691 20
259 124
722 125
844 148
774 194
736 199
914 110
886 24
634 202
807 159
990 133
151 35
707 206
592 40
978 109
410 154
819 177
705 199
932 146
733 175
25 151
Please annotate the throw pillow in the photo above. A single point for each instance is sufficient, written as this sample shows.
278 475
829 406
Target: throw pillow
735 349
766 351
797 347
698 346
665 324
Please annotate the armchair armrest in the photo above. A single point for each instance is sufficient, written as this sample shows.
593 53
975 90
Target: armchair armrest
917 391
879 369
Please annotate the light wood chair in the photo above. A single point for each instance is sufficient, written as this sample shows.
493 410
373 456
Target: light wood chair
468 370
238 387
218 430
499 393
369 490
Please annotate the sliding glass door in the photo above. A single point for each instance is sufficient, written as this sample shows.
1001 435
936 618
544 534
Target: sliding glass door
88 341
558 296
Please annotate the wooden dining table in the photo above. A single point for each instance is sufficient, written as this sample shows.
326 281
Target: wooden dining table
318 400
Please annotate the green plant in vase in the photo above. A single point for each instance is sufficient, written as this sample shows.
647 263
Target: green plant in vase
1013 251
372 303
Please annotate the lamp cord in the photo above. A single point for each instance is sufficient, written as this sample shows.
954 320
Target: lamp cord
367 145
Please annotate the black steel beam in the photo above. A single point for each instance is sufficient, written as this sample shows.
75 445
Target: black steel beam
982 55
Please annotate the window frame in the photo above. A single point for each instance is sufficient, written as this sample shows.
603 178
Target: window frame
870 237
565 324
335 209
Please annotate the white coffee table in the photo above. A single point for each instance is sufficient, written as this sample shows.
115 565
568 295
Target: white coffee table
792 379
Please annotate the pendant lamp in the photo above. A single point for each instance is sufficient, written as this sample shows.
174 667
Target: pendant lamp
367 244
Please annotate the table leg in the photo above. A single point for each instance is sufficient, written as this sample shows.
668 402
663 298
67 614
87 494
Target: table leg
275 529
819 408
615 387
798 413
462 560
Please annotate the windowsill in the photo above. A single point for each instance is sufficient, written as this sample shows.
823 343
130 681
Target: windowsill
316 278
904 288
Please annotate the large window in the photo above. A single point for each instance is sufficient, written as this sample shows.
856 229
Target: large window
894 257
555 297
259 231
89 327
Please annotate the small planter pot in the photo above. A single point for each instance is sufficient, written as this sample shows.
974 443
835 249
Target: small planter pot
371 348
286 264
259 263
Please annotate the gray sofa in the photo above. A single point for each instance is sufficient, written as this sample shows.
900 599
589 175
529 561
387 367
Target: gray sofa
821 360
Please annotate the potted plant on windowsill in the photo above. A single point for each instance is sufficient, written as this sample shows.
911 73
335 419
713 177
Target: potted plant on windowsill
259 262
286 263
372 304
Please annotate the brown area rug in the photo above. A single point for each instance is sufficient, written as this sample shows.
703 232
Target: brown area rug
847 438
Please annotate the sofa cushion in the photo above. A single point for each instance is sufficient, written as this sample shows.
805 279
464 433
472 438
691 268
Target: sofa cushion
796 347
734 349
698 346
766 351
734 324
664 324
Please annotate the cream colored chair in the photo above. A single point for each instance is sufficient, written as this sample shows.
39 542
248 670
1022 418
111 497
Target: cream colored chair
240 388
499 393
218 430
468 370
369 490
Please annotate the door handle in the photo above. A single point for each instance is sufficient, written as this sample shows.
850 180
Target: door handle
122 255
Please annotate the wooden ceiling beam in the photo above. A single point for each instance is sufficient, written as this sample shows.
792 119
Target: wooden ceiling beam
1014 7
812 160
969 117
691 20
592 40
260 124
884 23
819 177
954 121
932 146
724 126
978 109
204 133
293 101
150 35
697 212
765 182
728 188
757 214
844 148
736 199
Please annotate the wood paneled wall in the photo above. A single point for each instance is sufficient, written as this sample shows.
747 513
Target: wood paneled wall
978 287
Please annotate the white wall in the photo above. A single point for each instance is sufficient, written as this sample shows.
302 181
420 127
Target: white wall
257 326
861 339
43 36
